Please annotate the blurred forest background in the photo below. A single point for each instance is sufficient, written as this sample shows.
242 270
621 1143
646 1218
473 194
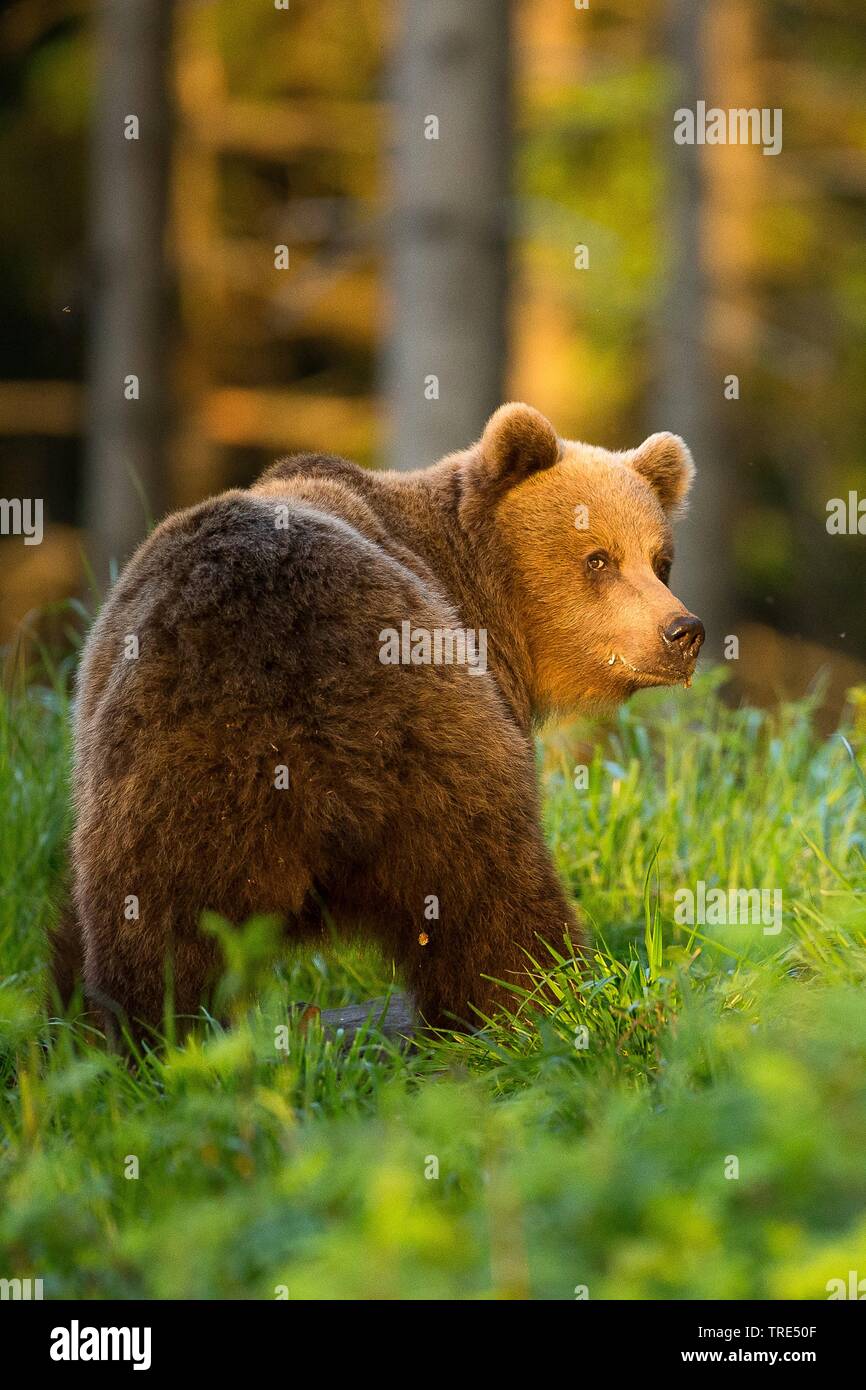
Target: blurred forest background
286 253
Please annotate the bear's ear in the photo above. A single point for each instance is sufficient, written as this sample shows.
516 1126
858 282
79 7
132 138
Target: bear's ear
517 440
665 463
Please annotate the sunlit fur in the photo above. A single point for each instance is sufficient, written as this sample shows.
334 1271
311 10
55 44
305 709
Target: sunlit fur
596 639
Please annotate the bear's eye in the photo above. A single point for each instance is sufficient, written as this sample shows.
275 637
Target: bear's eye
663 569
599 560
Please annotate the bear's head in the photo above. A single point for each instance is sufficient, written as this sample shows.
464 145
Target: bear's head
588 539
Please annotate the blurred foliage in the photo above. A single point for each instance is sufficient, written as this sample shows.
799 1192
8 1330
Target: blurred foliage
593 92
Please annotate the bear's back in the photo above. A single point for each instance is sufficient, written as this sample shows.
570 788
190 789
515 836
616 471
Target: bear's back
245 602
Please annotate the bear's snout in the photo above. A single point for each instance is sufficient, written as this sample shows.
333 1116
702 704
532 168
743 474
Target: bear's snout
686 633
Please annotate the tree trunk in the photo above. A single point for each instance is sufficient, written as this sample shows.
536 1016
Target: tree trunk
688 399
445 357
126 476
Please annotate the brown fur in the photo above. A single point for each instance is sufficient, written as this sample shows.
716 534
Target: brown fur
259 646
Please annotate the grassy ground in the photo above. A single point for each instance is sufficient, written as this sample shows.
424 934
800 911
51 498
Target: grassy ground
593 1150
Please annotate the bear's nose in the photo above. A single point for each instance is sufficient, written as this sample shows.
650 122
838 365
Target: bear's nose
687 632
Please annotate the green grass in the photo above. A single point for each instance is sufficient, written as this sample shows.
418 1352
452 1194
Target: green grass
560 1164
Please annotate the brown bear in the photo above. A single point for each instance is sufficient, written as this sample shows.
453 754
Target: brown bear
320 692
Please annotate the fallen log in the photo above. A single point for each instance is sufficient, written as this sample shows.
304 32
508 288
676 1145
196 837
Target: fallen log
393 1015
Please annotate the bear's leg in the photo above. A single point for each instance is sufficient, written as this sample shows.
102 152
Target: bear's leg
449 870
129 980
486 936
465 889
